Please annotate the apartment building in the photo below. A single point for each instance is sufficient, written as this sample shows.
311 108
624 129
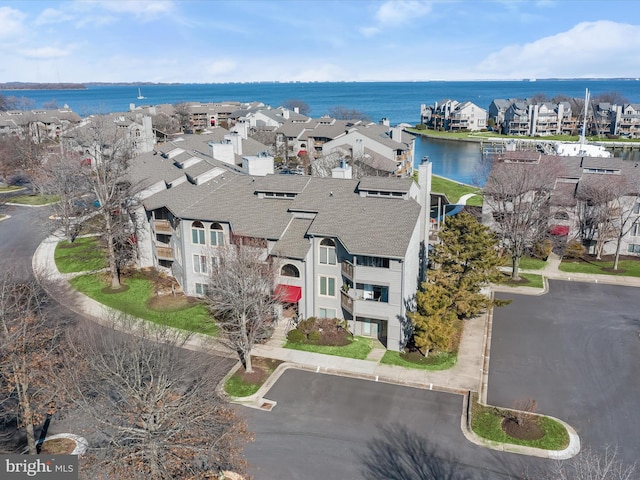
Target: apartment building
348 249
451 115
39 124
575 176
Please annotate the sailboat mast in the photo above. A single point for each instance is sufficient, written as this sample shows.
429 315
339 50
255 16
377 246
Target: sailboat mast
583 131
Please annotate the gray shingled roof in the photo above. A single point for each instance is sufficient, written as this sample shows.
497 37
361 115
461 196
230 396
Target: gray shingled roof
364 225
293 243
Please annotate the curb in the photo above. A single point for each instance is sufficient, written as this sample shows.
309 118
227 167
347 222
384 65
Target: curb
572 449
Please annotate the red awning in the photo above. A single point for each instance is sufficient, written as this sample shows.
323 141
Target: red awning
302 152
559 230
288 293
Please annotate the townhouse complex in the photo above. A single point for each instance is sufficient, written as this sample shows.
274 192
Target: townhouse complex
345 248
593 200
528 117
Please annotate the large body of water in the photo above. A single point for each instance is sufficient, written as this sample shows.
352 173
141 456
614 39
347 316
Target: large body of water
398 101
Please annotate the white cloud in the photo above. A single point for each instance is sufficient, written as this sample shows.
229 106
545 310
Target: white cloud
598 49
51 15
398 12
142 9
369 31
44 52
12 22
221 67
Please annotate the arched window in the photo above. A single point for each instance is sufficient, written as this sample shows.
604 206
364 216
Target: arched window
197 233
561 216
327 252
289 270
217 235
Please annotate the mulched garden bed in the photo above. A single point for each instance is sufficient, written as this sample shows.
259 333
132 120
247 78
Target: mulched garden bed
58 446
527 430
262 369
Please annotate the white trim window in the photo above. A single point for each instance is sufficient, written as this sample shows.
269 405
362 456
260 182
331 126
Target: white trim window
199 263
217 235
201 288
635 230
327 286
326 312
327 252
197 233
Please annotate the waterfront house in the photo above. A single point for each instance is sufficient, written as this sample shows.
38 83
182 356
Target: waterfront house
453 116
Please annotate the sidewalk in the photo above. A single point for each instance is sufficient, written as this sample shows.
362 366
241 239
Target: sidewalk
465 375
470 373
552 271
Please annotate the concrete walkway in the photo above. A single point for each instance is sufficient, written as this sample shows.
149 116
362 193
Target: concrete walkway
470 373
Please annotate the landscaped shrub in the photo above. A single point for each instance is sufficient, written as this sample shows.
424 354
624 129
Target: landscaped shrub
314 338
296 336
542 249
307 326
421 126
574 249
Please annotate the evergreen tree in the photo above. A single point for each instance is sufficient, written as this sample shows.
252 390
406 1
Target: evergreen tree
466 260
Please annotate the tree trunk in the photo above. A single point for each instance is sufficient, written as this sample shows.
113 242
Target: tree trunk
246 348
111 252
617 256
515 268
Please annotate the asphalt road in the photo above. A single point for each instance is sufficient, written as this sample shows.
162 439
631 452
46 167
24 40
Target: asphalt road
576 351
327 427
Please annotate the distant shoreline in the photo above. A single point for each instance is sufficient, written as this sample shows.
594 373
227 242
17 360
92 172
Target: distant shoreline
42 86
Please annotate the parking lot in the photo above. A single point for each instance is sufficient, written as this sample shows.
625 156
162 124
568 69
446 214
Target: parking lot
576 351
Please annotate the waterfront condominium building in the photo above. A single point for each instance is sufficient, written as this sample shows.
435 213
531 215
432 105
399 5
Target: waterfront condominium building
344 248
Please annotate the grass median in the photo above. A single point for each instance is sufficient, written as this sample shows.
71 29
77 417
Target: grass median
34 199
487 422
436 361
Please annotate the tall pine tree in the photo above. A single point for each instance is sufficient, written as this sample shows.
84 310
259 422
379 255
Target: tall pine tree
466 260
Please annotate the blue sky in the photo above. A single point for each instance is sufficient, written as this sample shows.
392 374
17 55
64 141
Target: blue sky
325 40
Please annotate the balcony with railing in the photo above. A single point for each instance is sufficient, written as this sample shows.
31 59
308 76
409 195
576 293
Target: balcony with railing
347 269
164 253
162 226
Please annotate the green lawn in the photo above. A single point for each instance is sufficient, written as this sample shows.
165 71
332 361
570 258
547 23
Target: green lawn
454 190
534 280
238 386
441 361
133 301
486 422
359 348
80 256
34 199
630 268
529 263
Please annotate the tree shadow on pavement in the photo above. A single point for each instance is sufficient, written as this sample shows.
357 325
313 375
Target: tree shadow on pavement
397 453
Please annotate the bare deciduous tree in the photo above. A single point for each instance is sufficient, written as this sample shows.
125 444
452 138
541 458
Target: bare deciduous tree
240 295
294 103
589 464
110 151
28 357
595 213
61 175
183 114
154 404
518 196
340 112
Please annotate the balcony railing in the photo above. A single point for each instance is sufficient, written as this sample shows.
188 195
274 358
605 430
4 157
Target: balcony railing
162 226
347 269
346 301
164 253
